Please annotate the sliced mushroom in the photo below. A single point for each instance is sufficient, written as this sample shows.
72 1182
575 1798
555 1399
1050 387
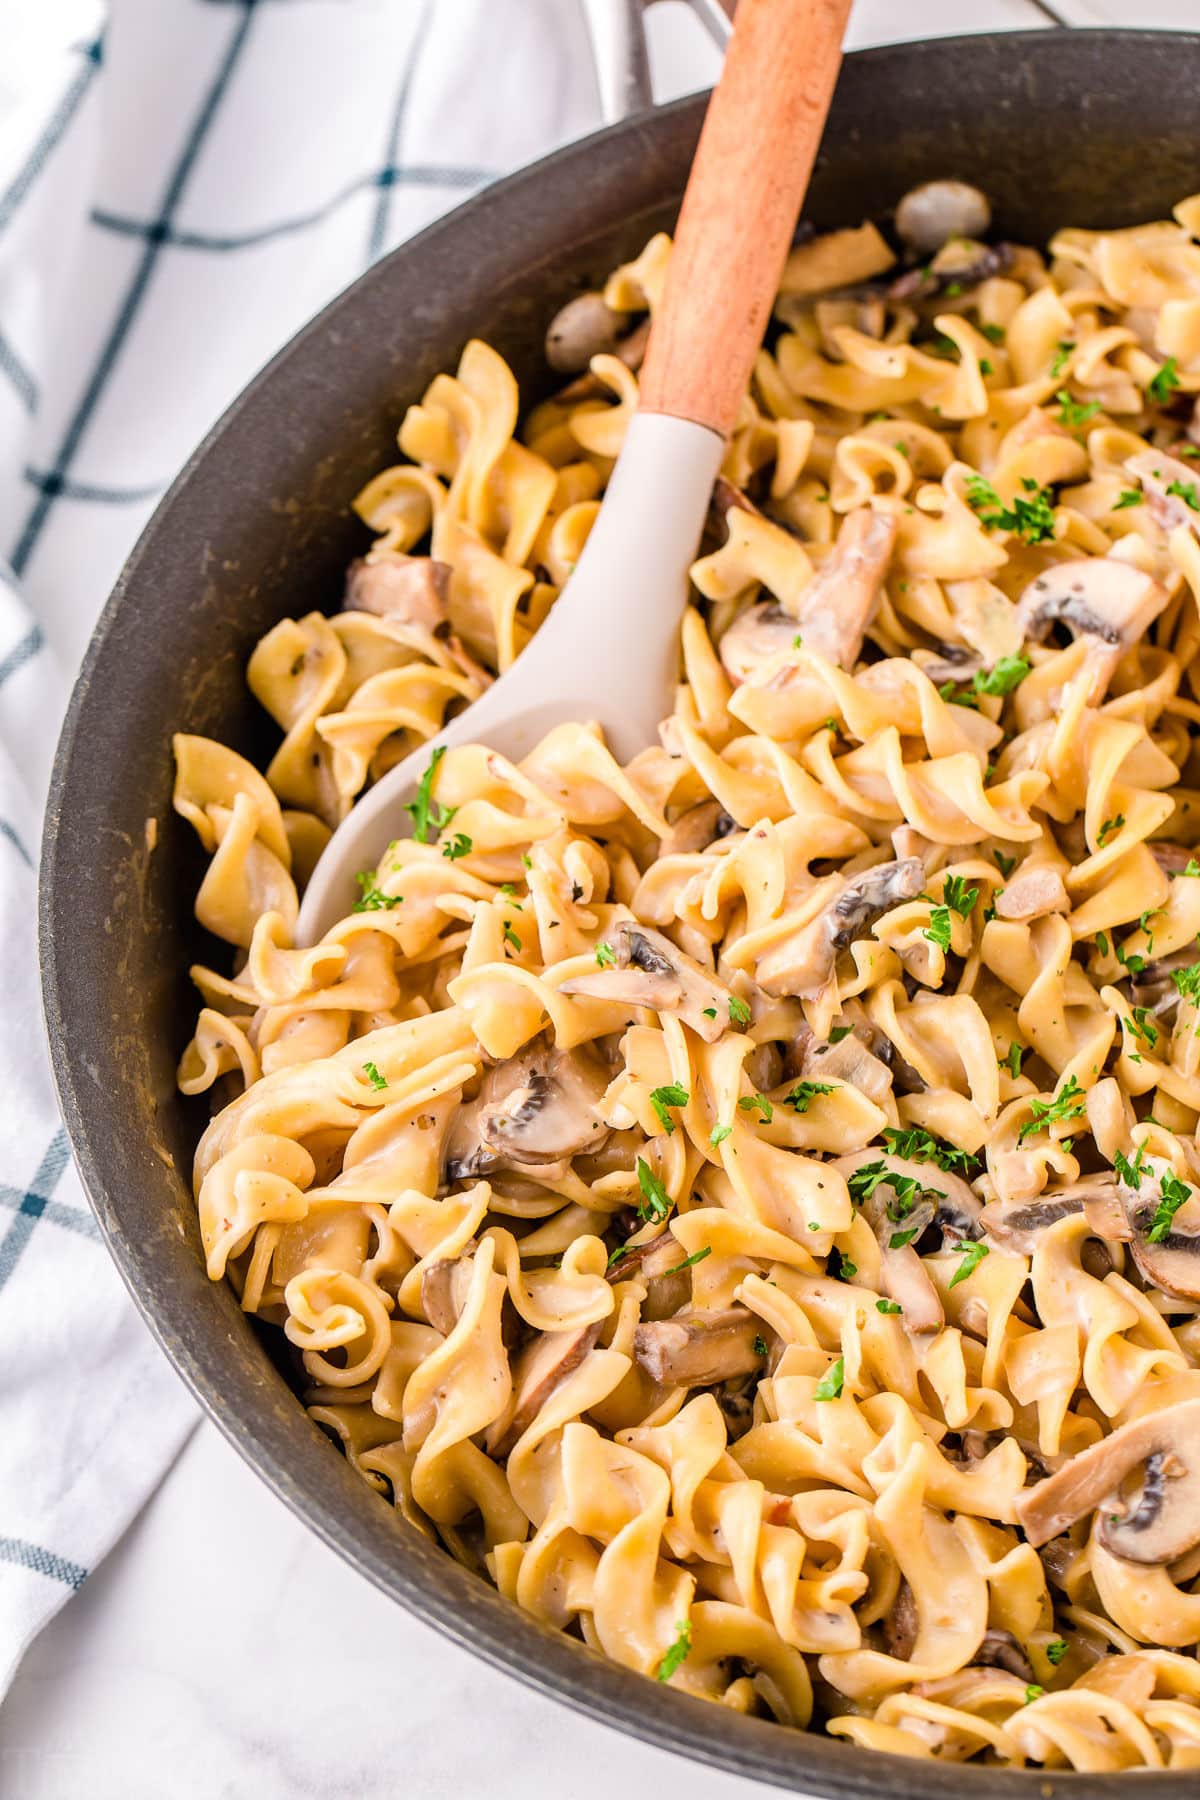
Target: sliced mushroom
1152 985
1108 601
930 215
901 1625
630 350
1000 1650
961 264
804 963
697 828
758 635
839 603
444 1286
411 590
848 1060
949 662
652 971
1172 1263
585 327
1172 859
1033 894
537 1371
660 1263
533 1111
1160 1521
699 1349
1018 1224
1171 487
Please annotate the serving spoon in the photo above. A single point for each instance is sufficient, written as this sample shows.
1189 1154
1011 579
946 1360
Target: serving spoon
609 649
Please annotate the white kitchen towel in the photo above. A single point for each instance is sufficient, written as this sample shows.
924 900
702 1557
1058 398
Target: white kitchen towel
182 184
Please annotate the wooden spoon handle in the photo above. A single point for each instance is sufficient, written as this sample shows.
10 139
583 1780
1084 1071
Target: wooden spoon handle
744 194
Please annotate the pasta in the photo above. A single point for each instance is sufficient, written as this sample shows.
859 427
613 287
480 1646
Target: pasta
743 1204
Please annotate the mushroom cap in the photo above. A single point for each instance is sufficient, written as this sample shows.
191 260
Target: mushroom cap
652 971
698 1349
532 1111
1161 1521
935 211
1101 596
1170 1262
757 636
585 327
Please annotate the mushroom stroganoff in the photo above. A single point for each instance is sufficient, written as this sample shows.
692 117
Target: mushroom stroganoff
746 1204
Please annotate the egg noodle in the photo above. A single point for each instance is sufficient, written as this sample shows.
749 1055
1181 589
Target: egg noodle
746 1204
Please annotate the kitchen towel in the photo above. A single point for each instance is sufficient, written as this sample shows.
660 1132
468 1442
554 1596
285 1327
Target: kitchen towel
182 184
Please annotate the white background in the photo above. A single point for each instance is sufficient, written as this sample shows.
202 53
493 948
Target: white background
221 1650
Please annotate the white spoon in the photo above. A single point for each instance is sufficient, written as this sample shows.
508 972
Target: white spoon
609 649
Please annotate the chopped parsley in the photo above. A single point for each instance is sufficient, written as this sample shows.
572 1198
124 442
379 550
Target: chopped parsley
1185 491
1005 864
972 1255
916 1144
510 937
690 1261
1009 673
663 1097
899 1239
1031 516
655 1202
804 1093
1130 960
1130 1172
1062 354
1102 942
1142 1029
938 929
739 1012
678 1653
1127 497
718 1134
957 895
1187 983
606 956
1056 1649
1012 1060
888 1306
461 845
371 896
1164 384
839 1265
1068 1103
1175 1193
760 1346
1107 830
373 1076
710 1012
832 1382
759 1102
1071 413
1033 1692
1192 867
423 811
838 1032
993 333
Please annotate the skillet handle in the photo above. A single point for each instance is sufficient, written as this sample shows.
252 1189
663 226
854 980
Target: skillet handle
745 191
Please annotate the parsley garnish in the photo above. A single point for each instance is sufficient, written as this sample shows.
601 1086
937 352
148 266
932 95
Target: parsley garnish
739 1012
663 1097
461 845
510 936
1008 674
916 1144
898 1239
605 956
1131 960
838 1032
752 1101
1005 864
957 895
1192 867
1127 497
372 897
888 1306
804 1093
1163 385
1013 1058
655 1202
972 1255
1130 1172
832 1382
1187 983
938 929
423 811
993 333
1062 352
839 1265
1068 1103
760 1346
1056 1649
1174 1195
689 1261
718 1134
1031 518
1071 413
1108 828
1185 491
710 1012
986 366
678 1653
1139 1024
1102 942
1033 1692
373 1076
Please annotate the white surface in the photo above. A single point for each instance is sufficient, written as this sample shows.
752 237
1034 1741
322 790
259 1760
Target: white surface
222 1652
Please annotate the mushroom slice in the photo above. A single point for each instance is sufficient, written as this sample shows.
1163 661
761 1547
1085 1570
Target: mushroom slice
697 828
1170 487
1108 601
930 215
1033 893
537 1370
1017 1224
1161 1522
652 971
660 1263
444 1287
839 603
756 637
699 1349
804 963
585 327
1172 859
410 590
534 1110
630 350
901 1623
961 264
1000 1650
949 662
848 1060
1170 1261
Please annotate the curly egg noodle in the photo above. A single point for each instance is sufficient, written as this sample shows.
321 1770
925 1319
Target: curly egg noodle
746 1204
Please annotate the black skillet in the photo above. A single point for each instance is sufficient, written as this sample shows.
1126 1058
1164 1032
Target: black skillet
1094 129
